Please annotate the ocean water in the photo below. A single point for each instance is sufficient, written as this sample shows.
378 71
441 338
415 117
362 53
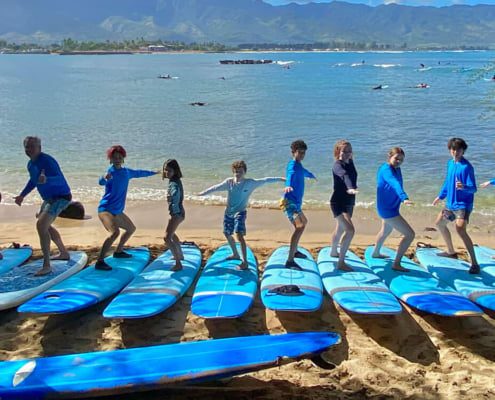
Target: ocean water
81 105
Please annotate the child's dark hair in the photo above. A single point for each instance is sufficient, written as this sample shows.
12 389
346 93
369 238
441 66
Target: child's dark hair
298 145
172 164
456 144
238 165
116 149
396 150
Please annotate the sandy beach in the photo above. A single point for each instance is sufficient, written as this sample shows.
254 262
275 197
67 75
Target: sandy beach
405 356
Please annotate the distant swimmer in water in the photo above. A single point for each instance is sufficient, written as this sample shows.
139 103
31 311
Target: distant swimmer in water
378 87
493 78
198 103
421 65
164 76
422 86
222 78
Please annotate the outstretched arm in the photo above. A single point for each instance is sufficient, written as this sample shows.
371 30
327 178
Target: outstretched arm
263 181
140 173
216 188
309 174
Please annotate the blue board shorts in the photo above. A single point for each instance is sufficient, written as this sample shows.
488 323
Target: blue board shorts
235 223
54 207
290 209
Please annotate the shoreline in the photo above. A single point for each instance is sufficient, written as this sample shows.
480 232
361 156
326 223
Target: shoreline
274 51
266 227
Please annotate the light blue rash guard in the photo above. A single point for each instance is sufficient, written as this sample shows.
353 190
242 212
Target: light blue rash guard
294 177
113 200
389 192
492 182
461 171
55 186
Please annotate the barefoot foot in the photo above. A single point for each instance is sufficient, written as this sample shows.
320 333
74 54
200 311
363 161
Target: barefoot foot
344 267
61 256
43 271
400 268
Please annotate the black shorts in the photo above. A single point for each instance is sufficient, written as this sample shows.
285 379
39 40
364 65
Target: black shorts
338 209
452 215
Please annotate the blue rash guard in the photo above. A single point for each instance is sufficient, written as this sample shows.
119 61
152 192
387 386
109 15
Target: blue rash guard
113 200
461 171
492 182
389 192
55 187
294 178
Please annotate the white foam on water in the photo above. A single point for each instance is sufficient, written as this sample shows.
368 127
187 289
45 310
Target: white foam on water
386 65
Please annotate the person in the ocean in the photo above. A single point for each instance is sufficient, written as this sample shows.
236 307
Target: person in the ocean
378 87
198 103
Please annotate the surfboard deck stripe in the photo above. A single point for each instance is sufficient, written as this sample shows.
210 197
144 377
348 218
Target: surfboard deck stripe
307 279
157 287
455 274
418 288
223 291
90 286
358 291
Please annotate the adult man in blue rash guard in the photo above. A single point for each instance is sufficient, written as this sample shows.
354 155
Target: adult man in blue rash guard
46 176
458 189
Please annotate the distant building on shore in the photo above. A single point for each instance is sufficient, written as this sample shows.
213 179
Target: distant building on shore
157 48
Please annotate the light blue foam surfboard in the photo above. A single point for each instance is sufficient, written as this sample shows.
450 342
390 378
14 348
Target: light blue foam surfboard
222 290
479 288
157 287
147 368
418 288
485 256
361 290
89 286
12 258
308 295
20 284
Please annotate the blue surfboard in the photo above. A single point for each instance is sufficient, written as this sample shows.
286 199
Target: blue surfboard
131 370
89 286
157 287
485 258
14 257
21 283
222 290
278 283
418 288
479 288
361 290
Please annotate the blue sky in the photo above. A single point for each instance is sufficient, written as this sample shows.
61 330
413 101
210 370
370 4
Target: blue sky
435 3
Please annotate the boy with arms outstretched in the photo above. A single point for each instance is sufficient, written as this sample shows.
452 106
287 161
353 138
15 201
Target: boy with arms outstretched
238 190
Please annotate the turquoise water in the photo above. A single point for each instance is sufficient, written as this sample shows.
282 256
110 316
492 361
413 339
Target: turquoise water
80 105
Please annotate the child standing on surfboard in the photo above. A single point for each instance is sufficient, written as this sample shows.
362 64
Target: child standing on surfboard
458 189
111 207
291 203
175 198
238 189
389 196
343 200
